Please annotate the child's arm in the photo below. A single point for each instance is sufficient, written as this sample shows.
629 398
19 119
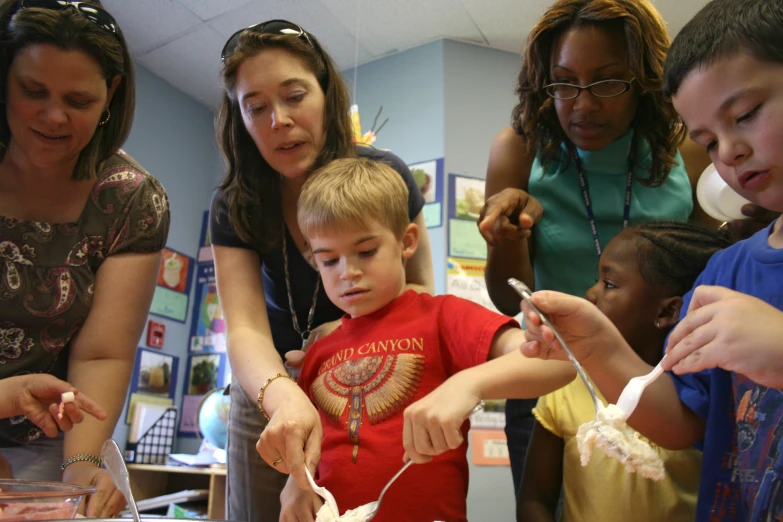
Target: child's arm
611 363
729 330
432 424
298 505
542 477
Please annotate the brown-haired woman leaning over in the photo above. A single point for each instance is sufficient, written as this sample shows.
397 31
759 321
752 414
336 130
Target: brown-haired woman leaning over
284 113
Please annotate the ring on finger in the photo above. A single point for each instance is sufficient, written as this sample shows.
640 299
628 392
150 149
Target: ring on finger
278 461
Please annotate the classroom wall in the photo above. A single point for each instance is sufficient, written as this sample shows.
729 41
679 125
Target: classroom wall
173 138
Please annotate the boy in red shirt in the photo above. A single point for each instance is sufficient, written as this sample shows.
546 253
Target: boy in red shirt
393 348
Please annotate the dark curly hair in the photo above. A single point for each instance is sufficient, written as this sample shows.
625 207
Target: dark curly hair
674 254
656 121
251 188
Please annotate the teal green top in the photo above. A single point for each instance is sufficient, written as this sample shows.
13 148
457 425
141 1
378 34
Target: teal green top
565 255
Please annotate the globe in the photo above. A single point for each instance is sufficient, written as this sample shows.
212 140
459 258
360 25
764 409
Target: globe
213 417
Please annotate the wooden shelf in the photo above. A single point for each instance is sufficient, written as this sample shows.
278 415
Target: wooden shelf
153 480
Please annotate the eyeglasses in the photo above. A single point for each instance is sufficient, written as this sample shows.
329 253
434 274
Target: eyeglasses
602 89
91 12
282 27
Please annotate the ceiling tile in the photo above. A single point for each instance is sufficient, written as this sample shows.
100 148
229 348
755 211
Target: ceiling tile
190 63
387 26
150 23
209 9
310 14
505 23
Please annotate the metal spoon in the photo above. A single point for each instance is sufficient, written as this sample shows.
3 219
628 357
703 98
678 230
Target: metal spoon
525 293
112 459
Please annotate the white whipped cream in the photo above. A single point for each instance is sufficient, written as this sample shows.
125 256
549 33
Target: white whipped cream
360 514
609 432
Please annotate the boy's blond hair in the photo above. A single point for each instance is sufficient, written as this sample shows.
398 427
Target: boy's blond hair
347 193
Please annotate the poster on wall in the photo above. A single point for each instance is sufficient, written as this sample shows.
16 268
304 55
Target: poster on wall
171 293
465 279
204 373
154 378
466 198
429 178
208 327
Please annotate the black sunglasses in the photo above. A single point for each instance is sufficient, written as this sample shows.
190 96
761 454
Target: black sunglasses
281 27
91 12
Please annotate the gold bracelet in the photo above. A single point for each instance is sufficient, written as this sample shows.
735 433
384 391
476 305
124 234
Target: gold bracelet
263 390
82 457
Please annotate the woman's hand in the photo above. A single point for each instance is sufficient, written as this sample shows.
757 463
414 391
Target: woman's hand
37 396
297 504
433 424
107 501
509 215
294 435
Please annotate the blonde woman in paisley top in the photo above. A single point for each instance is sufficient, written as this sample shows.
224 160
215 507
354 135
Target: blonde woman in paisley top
81 229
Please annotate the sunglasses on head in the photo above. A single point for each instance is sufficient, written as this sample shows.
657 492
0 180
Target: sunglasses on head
91 12
281 27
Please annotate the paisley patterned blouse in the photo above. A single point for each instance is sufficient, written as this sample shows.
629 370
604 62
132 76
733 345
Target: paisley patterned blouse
48 271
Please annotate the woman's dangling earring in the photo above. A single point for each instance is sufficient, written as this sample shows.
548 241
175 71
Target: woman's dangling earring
106 119
657 324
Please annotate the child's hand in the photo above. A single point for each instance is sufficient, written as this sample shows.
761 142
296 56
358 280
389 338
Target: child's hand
508 216
37 397
298 505
730 330
433 423
580 323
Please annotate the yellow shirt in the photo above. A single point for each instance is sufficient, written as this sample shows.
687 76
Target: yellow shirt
603 490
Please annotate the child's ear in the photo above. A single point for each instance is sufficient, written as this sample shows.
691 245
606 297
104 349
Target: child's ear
410 241
668 313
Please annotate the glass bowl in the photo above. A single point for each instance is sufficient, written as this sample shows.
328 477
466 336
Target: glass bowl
37 500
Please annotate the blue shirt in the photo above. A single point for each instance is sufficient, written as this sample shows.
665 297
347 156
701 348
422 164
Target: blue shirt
743 454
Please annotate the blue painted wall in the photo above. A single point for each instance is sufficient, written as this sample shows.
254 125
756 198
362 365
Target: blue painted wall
173 138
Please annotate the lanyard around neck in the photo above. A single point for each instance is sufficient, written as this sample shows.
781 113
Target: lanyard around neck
304 334
589 205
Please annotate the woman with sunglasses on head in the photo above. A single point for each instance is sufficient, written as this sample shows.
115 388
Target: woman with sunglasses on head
284 113
81 229
593 147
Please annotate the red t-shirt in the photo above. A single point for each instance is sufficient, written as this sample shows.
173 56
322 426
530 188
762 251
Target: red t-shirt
363 376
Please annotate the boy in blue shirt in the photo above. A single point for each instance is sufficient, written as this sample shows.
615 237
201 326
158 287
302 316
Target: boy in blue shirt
725 73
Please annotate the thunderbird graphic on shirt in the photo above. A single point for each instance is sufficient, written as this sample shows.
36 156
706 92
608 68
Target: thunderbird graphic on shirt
379 386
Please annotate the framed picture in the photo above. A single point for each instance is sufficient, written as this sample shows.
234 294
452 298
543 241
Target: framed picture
429 178
175 271
154 378
205 372
171 293
154 373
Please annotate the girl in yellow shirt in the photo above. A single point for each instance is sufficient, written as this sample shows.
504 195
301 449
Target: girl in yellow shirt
642 275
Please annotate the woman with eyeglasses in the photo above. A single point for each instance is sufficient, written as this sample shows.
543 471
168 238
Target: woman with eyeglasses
593 147
81 229
284 113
